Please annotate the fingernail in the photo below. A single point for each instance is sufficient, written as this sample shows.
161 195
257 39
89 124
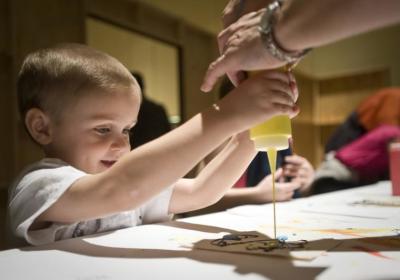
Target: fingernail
204 88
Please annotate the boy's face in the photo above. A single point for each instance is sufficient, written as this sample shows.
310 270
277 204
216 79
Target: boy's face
93 133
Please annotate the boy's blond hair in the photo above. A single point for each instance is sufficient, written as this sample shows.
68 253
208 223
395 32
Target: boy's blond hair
52 77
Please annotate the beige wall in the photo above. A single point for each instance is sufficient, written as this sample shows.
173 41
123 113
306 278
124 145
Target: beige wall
204 14
156 61
196 46
6 97
374 50
26 26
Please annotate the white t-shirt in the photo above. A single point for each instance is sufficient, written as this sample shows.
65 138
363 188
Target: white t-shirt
42 184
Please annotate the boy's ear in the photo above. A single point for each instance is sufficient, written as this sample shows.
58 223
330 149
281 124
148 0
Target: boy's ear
38 125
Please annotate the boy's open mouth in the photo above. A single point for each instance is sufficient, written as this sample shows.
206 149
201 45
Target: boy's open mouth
108 163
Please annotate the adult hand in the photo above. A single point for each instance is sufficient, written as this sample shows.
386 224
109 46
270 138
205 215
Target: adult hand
301 170
237 8
241 50
283 191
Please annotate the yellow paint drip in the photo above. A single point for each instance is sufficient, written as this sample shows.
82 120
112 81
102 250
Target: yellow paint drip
272 165
272 136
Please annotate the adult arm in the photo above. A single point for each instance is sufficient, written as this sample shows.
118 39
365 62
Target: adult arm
303 24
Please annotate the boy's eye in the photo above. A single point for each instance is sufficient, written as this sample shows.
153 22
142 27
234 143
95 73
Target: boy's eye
102 130
126 131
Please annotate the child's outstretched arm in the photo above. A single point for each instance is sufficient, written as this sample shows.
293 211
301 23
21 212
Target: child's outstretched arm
216 178
146 171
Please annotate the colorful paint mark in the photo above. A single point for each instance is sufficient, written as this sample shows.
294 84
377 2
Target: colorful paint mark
371 252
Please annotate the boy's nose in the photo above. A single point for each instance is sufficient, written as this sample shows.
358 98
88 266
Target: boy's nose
120 143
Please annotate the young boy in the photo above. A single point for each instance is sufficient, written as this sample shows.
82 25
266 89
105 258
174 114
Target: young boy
79 104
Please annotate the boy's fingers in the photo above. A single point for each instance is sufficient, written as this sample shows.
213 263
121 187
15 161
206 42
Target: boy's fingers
286 78
276 75
283 87
281 109
285 83
281 98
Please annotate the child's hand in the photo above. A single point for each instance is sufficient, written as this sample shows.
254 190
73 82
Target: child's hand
262 96
300 169
283 191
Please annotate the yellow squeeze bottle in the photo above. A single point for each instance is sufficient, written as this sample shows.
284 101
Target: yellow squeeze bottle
274 133
272 136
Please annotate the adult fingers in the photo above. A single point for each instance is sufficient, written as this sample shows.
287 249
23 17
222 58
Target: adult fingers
246 21
225 34
275 75
215 70
236 77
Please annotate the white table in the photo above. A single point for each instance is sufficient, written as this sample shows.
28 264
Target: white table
156 252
